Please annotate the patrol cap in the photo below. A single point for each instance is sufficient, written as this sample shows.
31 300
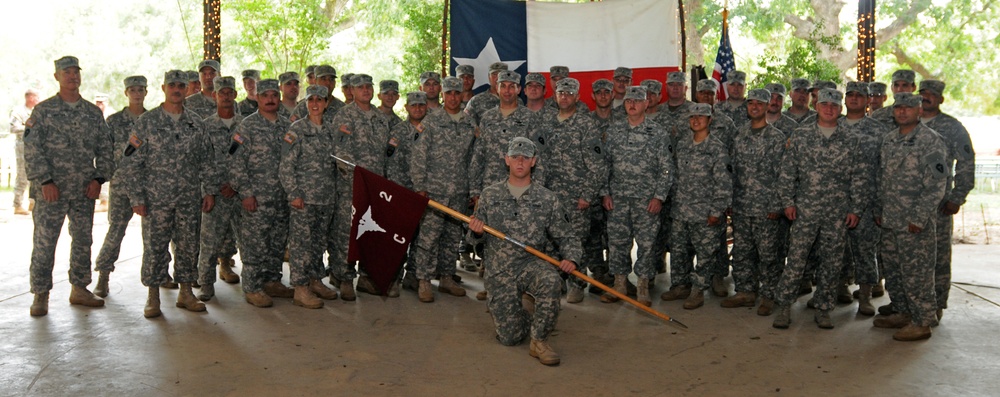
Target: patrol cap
635 92
221 82
799 84
907 99
935 87
904 75
267 85
759 94
676 77
509 75
736 77
209 63
559 71
569 85
311 69
68 61
175 76
876 88
534 78
707 85
622 71
385 86
856 86
497 67
462 70
325 70
652 86
602 84
192 76
135 81
251 74
521 146
700 109
830 95
416 98
287 76
821 84
345 80
427 76
317 90
776 88
360 80
451 83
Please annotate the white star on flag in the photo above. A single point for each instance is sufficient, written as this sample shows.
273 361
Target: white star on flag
483 61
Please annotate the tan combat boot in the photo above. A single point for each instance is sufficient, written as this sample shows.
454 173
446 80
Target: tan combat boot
304 297
152 308
741 299
82 296
822 319
466 261
642 292
170 284
21 211
347 290
844 294
425 291
226 272
482 295
695 300
719 287
619 287
575 293
319 289
276 289
40 306
543 352
393 290
207 292
865 306
766 307
366 285
897 320
676 292
259 299
101 289
186 299
449 286
912 332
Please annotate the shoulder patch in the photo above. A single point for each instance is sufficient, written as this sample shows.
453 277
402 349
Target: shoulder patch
788 143
30 123
420 127
135 142
936 166
290 137
239 138
344 129
393 142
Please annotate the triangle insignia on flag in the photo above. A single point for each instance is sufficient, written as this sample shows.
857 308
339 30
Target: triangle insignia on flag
367 224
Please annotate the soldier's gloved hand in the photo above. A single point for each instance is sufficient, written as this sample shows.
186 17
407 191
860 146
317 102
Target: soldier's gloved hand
654 207
298 203
567 266
608 203
582 204
949 208
227 191
207 203
93 189
852 221
476 226
139 210
914 229
250 204
790 213
50 192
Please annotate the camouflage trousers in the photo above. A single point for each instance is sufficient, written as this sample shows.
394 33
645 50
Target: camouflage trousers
307 234
705 240
859 260
942 269
660 247
437 241
21 180
512 322
339 238
119 215
757 261
262 240
164 225
825 238
596 241
218 231
627 222
909 272
579 223
48 221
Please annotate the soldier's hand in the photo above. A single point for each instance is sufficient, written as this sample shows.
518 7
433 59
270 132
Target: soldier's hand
949 208
139 210
713 220
298 203
227 191
608 203
773 216
207 203
476 226
654 207
50 192
914 229
582 204
567 266
250 204
790 213
851 221
93 189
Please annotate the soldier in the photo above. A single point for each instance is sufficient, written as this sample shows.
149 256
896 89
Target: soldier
18 116
119 210
193 83
326 76
913 180
403 136
468 75
577 169
603 94
903 80
653 89
171 177
486 100
68 151
623 80
735 105
311 75
248 105
511 271
774 116
757 220
289 93
800 102
722 126
820 186
430 84
308 175
534 92
258 144
596 242
345 87
635 192
557 73
876 96
388 94
203 103
218 228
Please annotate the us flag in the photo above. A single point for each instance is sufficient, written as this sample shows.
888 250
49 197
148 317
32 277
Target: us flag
724 62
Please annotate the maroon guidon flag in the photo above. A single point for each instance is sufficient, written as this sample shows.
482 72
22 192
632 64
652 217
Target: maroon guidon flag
384 218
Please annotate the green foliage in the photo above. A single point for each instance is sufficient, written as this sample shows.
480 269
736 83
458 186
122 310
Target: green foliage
281 35
799 60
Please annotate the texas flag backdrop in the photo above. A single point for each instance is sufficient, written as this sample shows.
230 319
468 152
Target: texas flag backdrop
592 39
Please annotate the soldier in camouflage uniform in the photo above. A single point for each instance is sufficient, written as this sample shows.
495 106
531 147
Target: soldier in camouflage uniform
653 89
326 76
310 73
467 73
821 186
170 174
602 91
203 103
119 210
596 242
308 175
534 92
635 192
259 143
799 94
430 84
774 116
193 83
557 73
345 88
248 105
388 94
218 227
68 152
18 116
289 93
735 105
402 139
758 230
912 182
903 80
622 79
530 213
876 96
486 100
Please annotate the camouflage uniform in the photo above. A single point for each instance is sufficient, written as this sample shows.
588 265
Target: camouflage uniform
786 125
120 213
168 168
200 104
218 227
862 241
246 107
631 185
18 116
308 172
263 234
884 116
511 271
402 138
912 180
479 104
757 240
581 107
333 106
675 120
495 131
736 111
799 119
68 146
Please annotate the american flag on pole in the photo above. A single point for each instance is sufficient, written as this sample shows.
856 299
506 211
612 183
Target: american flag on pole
724 61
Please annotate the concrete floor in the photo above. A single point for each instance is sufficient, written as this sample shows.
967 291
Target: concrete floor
403 347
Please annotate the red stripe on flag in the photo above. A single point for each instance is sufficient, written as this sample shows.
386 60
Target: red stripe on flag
587 80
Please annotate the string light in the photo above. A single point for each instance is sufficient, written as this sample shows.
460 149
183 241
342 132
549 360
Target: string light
866 40
213 29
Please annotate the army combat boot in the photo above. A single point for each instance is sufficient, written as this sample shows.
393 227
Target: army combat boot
449 286
741 299
40 306
642 292
101 289
319 289
676 292
81 296
226 272
152 308
619 287
425 291
306 298
865 306
912 332
543 352
186 299
783 318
